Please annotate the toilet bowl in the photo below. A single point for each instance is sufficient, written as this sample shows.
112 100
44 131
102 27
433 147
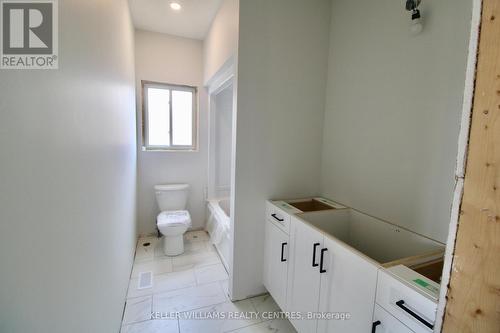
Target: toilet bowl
174 220
173 225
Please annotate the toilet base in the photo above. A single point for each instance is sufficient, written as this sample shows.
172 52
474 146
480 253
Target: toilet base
173 245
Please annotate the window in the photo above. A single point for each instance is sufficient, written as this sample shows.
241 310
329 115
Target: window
169 116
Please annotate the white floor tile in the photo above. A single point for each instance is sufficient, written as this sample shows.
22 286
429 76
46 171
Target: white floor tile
212 273
191 244
133 291
157 266
173 281
196 259
137 309
189 298
265 303
144 252
233 312
158 252
145 239
275 326
152 326
194 280
211 247
225 287
196 246
163 282
199 235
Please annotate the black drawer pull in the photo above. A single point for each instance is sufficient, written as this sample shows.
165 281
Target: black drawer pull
282 251
315 264
321 269
401 303
374 326
277 218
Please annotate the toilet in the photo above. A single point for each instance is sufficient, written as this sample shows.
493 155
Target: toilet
174 220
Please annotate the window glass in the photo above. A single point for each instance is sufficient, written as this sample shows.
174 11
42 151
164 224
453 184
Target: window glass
169 117
182 118
158 117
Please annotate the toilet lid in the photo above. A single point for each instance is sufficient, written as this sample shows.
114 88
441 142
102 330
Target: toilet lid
174 217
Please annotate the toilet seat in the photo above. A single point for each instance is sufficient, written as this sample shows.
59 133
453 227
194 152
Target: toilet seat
173 218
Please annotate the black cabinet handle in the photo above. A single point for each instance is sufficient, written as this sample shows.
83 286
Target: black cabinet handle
282 251
374 326
315 264
277 218
401 303
321 269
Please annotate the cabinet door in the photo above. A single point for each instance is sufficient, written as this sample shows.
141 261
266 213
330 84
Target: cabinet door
384 322
276 263
304 279
347 289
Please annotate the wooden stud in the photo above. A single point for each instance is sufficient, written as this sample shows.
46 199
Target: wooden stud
474 290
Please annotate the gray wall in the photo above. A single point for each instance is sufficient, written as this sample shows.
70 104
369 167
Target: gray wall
221 41
283 47
392 110
164 58
68 178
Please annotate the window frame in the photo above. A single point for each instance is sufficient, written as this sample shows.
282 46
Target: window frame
145 128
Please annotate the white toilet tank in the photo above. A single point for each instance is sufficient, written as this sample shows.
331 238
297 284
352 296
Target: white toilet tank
172 196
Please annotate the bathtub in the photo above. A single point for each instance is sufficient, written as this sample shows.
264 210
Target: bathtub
218 227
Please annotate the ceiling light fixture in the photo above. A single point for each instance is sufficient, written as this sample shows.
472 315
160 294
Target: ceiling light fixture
416 23
175 6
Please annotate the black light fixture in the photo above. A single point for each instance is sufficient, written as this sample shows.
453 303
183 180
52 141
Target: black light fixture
416 25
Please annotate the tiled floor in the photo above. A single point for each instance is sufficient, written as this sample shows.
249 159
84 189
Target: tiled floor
189 294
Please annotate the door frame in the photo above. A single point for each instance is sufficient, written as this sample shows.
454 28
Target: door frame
223 78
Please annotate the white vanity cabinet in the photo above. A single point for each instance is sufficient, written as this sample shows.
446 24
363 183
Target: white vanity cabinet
276 262
328 278
304 274
344 271
348 287
277 251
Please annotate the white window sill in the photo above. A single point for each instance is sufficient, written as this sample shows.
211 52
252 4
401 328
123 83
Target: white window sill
167 150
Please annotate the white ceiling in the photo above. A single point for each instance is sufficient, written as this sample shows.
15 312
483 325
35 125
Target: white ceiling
192 21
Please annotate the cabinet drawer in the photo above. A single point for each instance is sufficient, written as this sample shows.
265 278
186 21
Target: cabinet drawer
406 304
279 217
384 322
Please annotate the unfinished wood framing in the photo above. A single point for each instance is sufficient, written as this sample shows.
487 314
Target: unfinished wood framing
463 141
473 298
